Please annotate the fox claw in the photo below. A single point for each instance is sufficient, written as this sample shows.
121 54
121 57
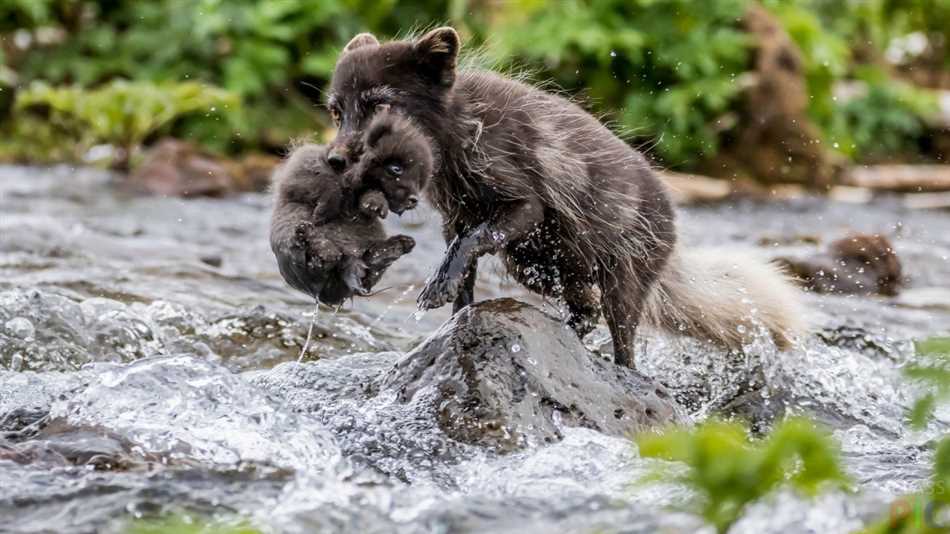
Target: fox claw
439 290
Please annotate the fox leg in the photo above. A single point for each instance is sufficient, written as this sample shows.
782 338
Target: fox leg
510 223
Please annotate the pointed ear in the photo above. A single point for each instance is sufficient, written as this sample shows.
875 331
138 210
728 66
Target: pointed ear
377 130
361 40
437 52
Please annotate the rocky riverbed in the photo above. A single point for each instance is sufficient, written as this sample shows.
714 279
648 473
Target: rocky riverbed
148 363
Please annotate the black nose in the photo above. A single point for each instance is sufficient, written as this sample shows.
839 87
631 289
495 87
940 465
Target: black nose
336 160
412 201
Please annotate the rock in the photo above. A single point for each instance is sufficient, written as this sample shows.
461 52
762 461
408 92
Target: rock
861 264
774 140
253 172
694 188
178 168
508 375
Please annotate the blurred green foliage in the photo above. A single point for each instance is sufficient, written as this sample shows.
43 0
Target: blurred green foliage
728 471
667 72
933 372
926 513
188 524
668 66
843 43
120 113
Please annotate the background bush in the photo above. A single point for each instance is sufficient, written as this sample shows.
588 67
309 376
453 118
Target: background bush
665 71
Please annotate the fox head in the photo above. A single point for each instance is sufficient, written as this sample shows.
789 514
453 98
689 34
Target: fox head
413 77
396 159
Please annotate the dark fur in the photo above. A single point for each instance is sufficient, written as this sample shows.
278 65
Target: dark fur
396 159
329 244
519 172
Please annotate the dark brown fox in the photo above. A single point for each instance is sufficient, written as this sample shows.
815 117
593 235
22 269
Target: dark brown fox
575 211
321 226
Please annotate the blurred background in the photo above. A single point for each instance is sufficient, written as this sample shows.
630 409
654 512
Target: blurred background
768 91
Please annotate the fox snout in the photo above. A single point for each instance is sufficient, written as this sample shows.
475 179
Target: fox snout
406 203
336 158
344 151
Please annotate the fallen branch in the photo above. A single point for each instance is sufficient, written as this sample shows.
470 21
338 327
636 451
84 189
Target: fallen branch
900 178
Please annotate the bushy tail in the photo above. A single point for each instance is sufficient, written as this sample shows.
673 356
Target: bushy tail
725 296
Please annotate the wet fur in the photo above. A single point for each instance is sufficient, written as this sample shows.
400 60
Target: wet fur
392 138
329 242
575 212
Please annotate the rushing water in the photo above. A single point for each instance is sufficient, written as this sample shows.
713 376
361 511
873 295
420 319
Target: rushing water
148 362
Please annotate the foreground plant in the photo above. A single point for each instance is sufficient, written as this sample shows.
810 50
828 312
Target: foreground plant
120 113
934 373
188 524
728 470
929 511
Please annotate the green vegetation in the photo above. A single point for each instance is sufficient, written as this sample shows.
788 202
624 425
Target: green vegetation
188 524
728 471
122 114
670 73
934 373
669 79
926 513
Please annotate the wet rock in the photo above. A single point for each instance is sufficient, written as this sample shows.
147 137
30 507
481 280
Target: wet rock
858 339
63 444
178 168
507 375
862 264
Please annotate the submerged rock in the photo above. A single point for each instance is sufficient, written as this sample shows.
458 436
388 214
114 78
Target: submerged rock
860 264
507 375
179 168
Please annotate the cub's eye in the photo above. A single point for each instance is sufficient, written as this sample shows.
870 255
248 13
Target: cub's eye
335 115
394 169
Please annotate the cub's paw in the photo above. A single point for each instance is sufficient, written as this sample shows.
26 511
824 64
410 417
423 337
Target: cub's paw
402 243
385 253
322 254
373 204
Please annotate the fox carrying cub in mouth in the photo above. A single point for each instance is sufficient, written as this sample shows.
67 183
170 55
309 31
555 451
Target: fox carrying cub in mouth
575 212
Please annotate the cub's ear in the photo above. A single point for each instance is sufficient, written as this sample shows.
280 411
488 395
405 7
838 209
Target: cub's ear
361 40
377 130
437 52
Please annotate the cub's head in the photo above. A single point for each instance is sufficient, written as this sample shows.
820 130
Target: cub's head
397 159
301 178
414 77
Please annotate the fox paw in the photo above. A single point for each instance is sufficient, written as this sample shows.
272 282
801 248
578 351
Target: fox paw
443 287
373 204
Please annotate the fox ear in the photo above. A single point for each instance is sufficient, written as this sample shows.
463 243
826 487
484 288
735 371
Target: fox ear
361 40
377 130
437 52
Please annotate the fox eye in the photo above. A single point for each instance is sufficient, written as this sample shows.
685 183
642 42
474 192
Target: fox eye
394 169
335 115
